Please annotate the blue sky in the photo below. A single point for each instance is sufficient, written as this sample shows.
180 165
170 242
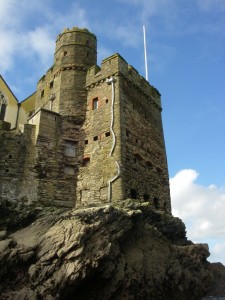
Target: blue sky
186 62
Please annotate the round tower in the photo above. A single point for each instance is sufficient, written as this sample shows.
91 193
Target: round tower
63 88
75 53
76 46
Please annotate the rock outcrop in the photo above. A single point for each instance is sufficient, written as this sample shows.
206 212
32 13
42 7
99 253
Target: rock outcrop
125 251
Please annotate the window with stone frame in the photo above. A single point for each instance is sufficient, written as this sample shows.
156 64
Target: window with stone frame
95 103
70 148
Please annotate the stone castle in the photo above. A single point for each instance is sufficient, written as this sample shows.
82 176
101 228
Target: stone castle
93 135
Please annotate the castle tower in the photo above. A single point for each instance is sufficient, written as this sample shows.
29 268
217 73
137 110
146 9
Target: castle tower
62 89
99 134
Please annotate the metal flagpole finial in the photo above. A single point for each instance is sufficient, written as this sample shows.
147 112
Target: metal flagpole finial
145 51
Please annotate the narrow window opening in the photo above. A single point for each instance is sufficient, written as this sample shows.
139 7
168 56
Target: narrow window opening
7 170
159 171
86 142
146 197
133 194
107 134
64 53
2 112
95 138
95 103
51 84
107 101
156 203
42 93
149 165
127 133
10 155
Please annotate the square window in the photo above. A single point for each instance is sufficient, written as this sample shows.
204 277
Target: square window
70 148
95 103
69 170
107 134
95 138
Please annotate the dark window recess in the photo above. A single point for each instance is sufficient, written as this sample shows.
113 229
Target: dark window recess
149 165
42 93
107 134
159 171
146 197
107 101
127 133
51 84
133 193
86 142
138 157
156 203
65 53
7 170
10 155
86 162
87 54
95 138
2 112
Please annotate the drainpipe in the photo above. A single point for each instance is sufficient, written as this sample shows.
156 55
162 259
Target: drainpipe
111 81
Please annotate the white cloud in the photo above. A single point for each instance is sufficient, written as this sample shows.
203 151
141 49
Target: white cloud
202 208
37 43
41 42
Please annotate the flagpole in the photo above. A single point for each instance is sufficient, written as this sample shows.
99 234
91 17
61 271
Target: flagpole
146 63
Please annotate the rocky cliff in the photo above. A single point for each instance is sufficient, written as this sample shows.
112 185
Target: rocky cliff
125 251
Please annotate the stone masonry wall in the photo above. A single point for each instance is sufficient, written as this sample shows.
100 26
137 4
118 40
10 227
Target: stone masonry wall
17 158
144 157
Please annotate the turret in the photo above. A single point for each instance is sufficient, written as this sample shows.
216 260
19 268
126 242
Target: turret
76 46
63 88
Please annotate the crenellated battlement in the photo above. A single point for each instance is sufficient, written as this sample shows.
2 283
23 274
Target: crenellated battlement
117 65
76 30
